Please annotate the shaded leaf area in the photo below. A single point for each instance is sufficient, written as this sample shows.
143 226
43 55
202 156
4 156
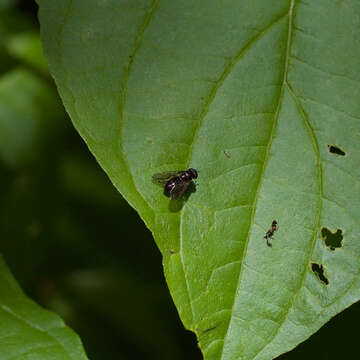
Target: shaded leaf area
28 331
251 95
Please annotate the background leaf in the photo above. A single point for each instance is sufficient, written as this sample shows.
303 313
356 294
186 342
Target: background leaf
27 48
30 332
25 104
254 95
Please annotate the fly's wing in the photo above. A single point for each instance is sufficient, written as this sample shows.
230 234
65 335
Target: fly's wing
178 191
164 177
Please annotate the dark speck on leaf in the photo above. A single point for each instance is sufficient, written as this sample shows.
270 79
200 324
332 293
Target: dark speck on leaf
210 329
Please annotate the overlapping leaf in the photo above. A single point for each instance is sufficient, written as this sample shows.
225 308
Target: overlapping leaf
256 96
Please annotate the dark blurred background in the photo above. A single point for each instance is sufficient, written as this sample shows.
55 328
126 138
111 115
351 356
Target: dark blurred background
70 239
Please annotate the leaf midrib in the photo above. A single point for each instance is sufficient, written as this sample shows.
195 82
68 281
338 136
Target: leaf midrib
317 221
266 160
227 71
320 183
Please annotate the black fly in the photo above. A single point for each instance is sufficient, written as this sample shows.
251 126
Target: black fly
176 182
270 233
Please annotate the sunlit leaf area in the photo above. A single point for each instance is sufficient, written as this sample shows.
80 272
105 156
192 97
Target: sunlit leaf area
261 98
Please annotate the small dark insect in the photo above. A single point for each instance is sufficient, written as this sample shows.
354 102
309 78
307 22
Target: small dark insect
176 182
270 233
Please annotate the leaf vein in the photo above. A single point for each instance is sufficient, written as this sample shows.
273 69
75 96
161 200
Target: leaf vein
227 71
233 170
266 160
14 314
296 58
317 220
137 44
307 99
230 66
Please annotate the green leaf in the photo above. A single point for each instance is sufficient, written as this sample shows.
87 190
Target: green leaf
27 48
253 95
30 332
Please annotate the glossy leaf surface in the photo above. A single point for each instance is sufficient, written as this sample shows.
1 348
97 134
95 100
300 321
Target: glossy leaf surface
253 95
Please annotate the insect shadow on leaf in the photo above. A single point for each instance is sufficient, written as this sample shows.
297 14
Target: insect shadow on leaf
176 205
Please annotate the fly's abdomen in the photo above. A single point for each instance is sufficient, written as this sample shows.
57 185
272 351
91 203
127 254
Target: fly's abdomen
170 185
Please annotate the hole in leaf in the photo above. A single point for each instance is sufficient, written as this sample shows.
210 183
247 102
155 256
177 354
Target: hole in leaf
336 150
319 271
332 240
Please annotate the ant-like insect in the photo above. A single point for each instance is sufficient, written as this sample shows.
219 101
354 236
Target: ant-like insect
270 233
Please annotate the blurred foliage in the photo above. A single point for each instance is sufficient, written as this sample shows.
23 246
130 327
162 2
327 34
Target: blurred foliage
71 241
26 47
